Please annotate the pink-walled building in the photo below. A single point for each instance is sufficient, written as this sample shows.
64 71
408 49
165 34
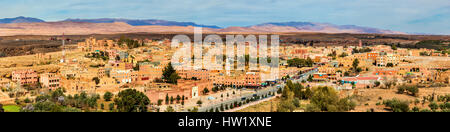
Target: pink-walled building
28 76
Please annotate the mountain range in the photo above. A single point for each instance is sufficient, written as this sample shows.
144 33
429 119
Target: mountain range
20 19
34 26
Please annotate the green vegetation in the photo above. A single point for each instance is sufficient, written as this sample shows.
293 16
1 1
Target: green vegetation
107 96
327 99
169 109
296 62
96 80
98 55
321 98
433 106
205 91
389 65
433 44
130 43
199 103
170 75
393 47
56 101
409 89
343 55
397 105
355 64
287 97
10 108
425 53
333 55
48 106
299 91
131 100
362 50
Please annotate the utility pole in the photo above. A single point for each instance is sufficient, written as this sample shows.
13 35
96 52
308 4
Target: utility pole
63 59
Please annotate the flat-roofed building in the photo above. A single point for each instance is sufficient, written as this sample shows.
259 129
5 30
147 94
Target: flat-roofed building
50 80
23 77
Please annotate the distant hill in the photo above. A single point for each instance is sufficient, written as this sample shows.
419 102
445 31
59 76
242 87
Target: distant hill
142 22
317 27
33 26
20 19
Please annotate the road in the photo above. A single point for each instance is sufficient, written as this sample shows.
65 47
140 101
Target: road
258 92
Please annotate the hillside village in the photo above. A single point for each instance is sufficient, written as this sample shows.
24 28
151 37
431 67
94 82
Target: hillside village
100 67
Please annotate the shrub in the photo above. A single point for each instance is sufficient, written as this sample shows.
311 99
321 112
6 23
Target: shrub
397 105
327 99
415 109
425 110
433 106
410 89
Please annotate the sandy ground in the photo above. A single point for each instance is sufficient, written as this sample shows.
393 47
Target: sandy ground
372 96
263 106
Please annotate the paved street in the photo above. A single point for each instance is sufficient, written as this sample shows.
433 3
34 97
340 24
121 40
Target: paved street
247 94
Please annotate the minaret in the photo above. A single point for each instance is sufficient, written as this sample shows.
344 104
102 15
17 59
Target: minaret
360 43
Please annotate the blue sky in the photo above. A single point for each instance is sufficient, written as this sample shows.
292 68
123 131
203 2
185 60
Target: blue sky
412 16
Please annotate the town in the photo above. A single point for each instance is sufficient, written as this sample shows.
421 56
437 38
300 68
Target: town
137 75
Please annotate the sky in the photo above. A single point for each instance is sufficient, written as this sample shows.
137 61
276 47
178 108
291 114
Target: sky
411 16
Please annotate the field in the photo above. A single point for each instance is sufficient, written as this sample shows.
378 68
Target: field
368 98
11 108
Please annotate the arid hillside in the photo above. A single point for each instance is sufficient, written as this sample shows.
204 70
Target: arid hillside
31 44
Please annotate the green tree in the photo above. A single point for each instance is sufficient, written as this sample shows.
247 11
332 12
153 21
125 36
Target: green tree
27 100
413 90
178 98
343 55
327 99
108 96
96 79
111 106
217 109
433 106
310 78
393 47
131 100
377 83
167 98
170 75
199 102
355 64
205 91
397 105
389 65
160 102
